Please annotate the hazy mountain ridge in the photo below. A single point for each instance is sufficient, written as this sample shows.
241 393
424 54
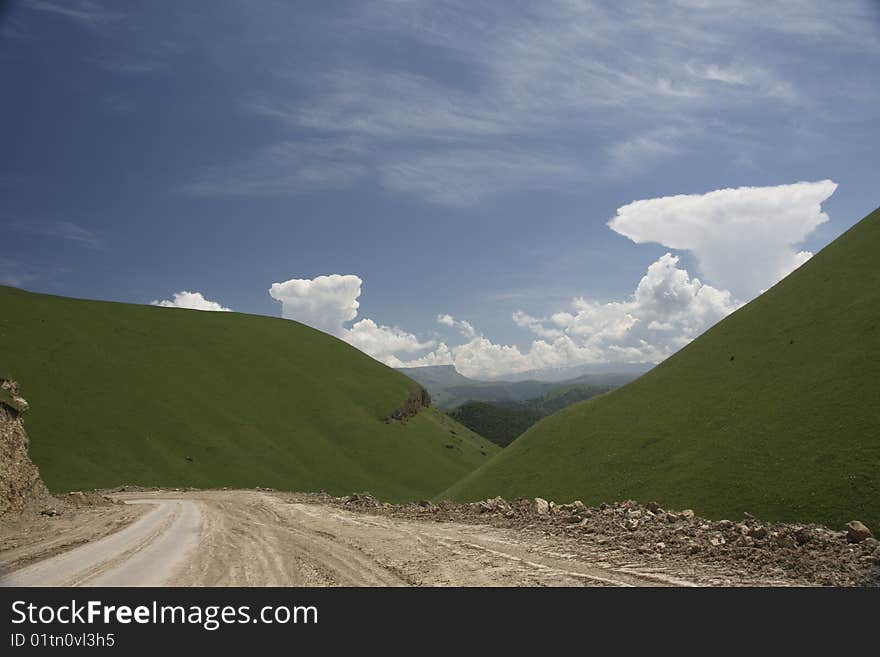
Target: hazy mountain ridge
449 389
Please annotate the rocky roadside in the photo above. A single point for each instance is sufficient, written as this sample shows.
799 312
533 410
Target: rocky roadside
799 554
748 548
22 491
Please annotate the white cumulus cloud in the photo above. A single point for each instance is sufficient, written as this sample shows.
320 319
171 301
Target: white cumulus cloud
383 342
464 327
325 303
442 355
744 239
667 310
328 303
190 300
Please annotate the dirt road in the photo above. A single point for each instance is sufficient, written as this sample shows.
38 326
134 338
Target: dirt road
147 551
249 538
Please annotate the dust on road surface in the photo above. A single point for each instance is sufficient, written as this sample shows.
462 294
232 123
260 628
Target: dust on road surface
250 538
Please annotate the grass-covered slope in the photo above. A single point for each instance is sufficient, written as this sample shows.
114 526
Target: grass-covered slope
125 393
774 411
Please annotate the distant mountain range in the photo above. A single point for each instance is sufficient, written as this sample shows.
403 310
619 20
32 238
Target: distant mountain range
441 376
449 389
628 371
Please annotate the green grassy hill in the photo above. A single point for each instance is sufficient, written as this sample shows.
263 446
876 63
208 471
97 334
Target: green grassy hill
774 411
134 394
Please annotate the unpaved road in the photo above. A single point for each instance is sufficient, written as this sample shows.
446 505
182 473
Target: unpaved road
249 538
145 552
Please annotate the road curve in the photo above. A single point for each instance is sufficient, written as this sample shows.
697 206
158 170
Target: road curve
254 538
145 553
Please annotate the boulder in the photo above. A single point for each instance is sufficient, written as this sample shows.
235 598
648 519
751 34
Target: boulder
758 533
744 541
801 535
786 541
541 506
574 509
856 532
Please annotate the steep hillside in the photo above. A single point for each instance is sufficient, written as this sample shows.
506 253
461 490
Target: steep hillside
774 411
125 393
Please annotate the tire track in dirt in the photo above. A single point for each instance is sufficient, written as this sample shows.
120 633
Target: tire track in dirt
252 538
146 552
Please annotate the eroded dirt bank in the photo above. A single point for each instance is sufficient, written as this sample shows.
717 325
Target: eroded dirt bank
261 537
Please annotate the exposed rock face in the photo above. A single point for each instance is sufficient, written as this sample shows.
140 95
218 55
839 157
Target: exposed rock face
20 483
417 400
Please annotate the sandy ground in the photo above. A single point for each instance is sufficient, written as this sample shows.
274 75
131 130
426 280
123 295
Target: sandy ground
249 538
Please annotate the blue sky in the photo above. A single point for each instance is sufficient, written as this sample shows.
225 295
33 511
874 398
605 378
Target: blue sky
434 181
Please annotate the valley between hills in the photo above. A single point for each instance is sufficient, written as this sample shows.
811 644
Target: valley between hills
749 457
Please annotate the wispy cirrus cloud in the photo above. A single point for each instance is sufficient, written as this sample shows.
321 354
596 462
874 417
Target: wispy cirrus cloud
115 51
586 90
62 230
85 12
464 177
283 168
15 273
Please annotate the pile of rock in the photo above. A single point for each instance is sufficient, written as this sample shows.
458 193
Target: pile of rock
806 553
79 499
360 501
